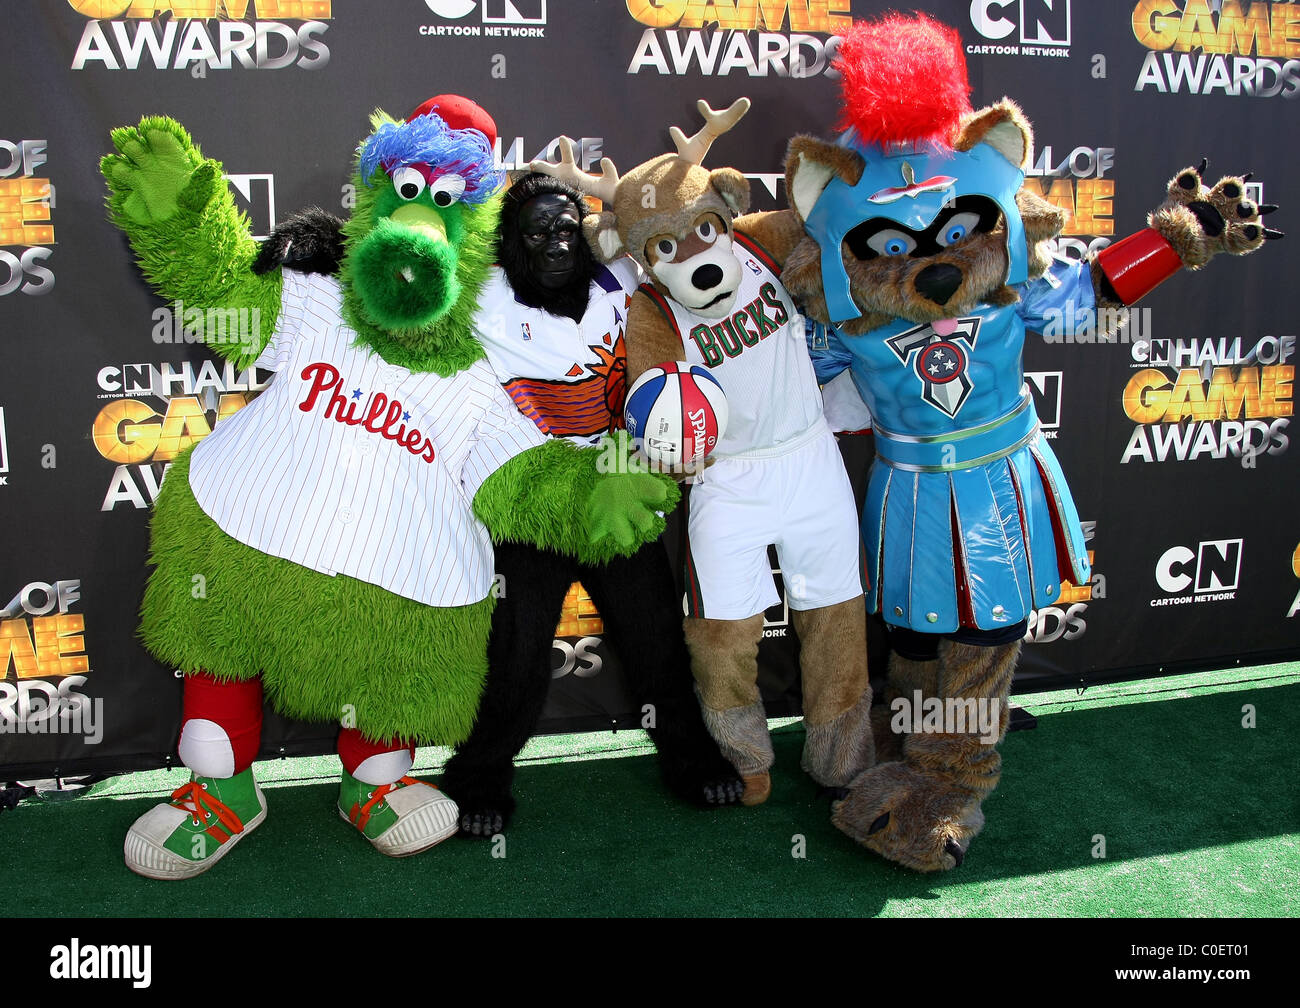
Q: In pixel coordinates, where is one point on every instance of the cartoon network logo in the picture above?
(1021, 27)
(497, 18)
(1212, 571)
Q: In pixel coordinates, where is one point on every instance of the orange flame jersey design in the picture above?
(1270, 30)
(53, 646)
(25, 212)
(225, 10)
(824, 17)
(130, 432)
(1150, 397)
(592, 405)
(578, 616)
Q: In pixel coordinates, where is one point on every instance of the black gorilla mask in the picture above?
(542, 248)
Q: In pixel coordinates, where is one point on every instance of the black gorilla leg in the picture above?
(637, 599)
(479, 774)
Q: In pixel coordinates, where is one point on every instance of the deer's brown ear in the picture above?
(733, 187)
(601, 230)
(1004, 128)
(810, 164)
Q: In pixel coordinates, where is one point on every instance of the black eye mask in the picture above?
(878, 236)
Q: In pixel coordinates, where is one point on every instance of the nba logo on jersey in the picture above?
(525, 331)
(753, 267)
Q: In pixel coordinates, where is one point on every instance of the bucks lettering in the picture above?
(745, 328)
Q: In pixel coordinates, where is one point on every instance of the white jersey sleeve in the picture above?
(295, 306)
(503, 432)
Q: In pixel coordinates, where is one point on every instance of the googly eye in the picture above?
(957, 227)
(707, 231)
(408, 182)
(446, 190)
(666, 248)
(891, 243)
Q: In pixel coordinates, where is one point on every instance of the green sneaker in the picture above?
(399, 819)
(204, 819)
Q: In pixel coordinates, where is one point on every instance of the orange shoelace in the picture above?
(203, 806)
(360, 814)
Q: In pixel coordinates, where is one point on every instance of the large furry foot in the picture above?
(486, 804)
(482, 822)
(919, 820)
(707, 783)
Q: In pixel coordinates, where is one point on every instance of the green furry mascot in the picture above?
(342, 522)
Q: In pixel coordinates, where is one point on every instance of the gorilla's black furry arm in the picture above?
(310, 241)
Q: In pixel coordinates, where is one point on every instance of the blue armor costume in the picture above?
(968, 520)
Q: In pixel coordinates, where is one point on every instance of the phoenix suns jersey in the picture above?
(567, 377)
(759, 354)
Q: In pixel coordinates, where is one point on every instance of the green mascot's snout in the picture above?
(404, 270)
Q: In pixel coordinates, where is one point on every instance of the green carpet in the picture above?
(1200, 817)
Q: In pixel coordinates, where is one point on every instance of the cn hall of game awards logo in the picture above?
(1227, 398)
(1240, 48)
(154, 411)
(202, 35)
(1077, 179)
(44, 664)
(779, 38)
(26, 227)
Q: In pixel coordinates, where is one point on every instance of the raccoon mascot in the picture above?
(930, 261)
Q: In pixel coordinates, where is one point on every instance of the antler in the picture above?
(602, 186)
(715, 124)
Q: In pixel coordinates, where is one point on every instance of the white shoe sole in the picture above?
(145, 856)
(420, 829)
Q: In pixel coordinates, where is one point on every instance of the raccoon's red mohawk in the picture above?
(904, 81)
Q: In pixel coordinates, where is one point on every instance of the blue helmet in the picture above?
(910, 184)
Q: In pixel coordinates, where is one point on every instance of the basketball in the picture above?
(678, 412)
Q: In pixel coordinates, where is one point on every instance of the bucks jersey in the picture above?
(759, 355)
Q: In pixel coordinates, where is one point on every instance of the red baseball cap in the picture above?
(458, 113)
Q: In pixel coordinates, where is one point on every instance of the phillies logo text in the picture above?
(380, 415)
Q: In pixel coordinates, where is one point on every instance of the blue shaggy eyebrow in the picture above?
(428, 140)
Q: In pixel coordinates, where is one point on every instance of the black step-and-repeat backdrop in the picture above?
(1177, 436)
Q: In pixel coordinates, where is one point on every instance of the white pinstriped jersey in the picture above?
(759, 354)
(567, 377)
(347, 464)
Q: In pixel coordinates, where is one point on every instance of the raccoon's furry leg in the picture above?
(924, 811)
(907, 677)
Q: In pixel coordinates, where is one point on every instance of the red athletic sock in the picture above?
(355, 750)
(235, 707)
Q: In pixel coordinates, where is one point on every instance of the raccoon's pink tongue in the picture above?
(945, 326)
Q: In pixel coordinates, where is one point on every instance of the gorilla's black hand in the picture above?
(310, 241)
